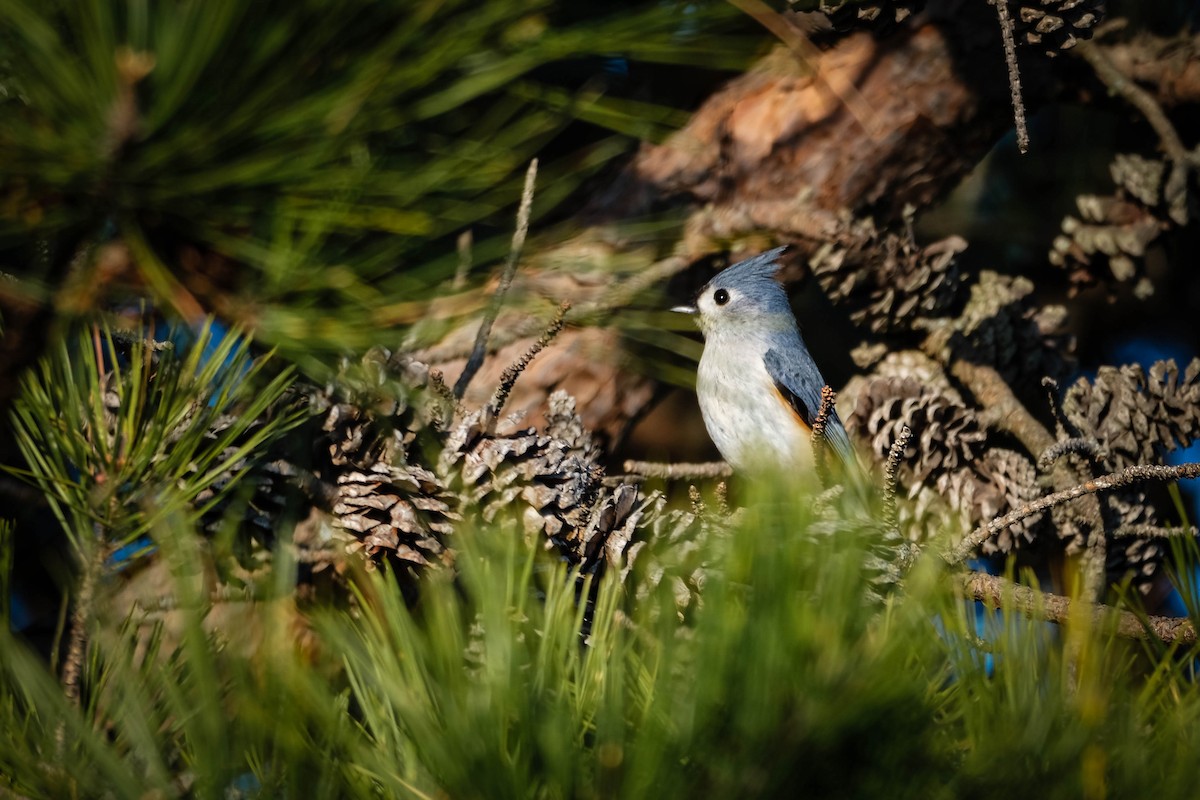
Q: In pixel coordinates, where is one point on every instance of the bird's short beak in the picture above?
(684, 309)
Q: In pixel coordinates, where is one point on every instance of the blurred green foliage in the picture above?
(785, 681)
(303, 167)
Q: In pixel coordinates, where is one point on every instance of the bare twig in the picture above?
(1000, 406)
(80, 617)
(1119, 84)
(220, 595)
(1003, 410)
(1067, 429)
(475, 361)
(680, 471)
(1155, 531)
(891, 470)
(1014, 73)
(465, 240)
(1056, 608)
(1116, 480)
(135, 338)
(1095, 562)
(1086, 446)
(820, 445)
(509, 377)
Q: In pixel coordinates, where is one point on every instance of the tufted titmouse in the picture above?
(759, 389)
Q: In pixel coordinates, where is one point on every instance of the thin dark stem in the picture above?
(475, 361)
(1086, 446)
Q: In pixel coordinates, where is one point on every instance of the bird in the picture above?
(758, 386)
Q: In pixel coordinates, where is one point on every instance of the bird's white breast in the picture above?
(746, 417)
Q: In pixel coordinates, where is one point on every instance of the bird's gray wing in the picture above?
(800, 385)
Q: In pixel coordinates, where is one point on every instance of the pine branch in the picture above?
(1001, 407)
(679, 471)
(1155, 531)
(81, 617)
(1003, 593)
(1116, 480)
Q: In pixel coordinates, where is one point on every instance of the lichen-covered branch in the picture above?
(679, 471)
(1014, 73)
(1126, 477)
(1005, 594)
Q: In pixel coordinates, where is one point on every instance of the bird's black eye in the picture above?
(720, 297)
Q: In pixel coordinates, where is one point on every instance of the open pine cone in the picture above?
(887, 281)
(1054, 25)
(880, 16)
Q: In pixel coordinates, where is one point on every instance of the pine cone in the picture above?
(398, 511)
(1135, 417)
(388, 505)
(676, 538)
(1054, 25)
(951, 480)
(551, 481)
(1001, 327)
(901, 365)
(1149, 199)
(887, 281)
(997, 484)
(1130, 556)
(945, 434)
(881, 16)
